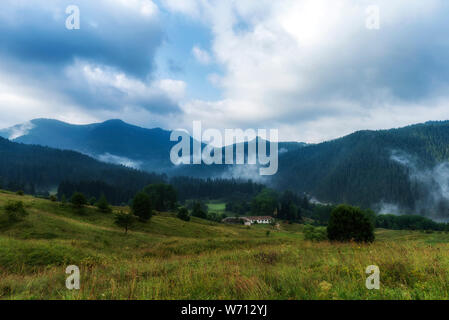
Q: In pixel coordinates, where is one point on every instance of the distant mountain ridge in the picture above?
(111, 141)
(115, 141)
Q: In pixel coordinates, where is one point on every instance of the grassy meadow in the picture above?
(167, 258)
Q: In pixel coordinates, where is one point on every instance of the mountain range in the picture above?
(112, 141)
(402, 170)
(117, 142)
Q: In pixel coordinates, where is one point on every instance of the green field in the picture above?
(217, 207)
(167, 258)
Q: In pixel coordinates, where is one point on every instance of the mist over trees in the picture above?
(405, 168)
(360, 169)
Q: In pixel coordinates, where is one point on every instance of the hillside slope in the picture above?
(167, 258)
(33, 168)
(404, 167)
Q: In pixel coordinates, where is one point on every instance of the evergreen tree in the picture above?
(78, 200)
(92, 201)
(63, 199)
(142, 207)
(265, 203)
(288, 210)
(103, 205)
(163, 196)
(198, 211)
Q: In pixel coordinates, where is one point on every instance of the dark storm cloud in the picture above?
(122, 36)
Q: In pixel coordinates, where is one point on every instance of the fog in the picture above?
(431, 186)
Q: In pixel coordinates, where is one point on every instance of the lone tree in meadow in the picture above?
(183, 214)
(350, 224)
(103, 205)
(125, 220)
(141, 206)
(78, 200)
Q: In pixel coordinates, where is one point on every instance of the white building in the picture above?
(260, 220)
(247, 221)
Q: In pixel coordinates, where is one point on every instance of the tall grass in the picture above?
(171, 259)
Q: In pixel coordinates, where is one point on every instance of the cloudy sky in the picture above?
(310, 68)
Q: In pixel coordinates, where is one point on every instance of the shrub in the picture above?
(53, 198)
(267, 257)
(15, 211)
(20, 193)
(216, 217)
(312, 233)
(78, 200)
(183, 214)
(141, 206)
(350, 224)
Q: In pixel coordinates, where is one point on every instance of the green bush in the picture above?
(15, 211)
(312, 233)
(78, 200)
(183, 214)
(349, 224)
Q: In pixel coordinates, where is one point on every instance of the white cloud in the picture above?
(189, 7)
(307, 67)
(146, 8)
(110, 158)
(134, 89)
(20, 130)
(201, 56)
(312, 69)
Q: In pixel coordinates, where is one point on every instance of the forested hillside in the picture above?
(403, 168)
(35, 168)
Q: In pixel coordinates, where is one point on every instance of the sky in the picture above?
(313, 69)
